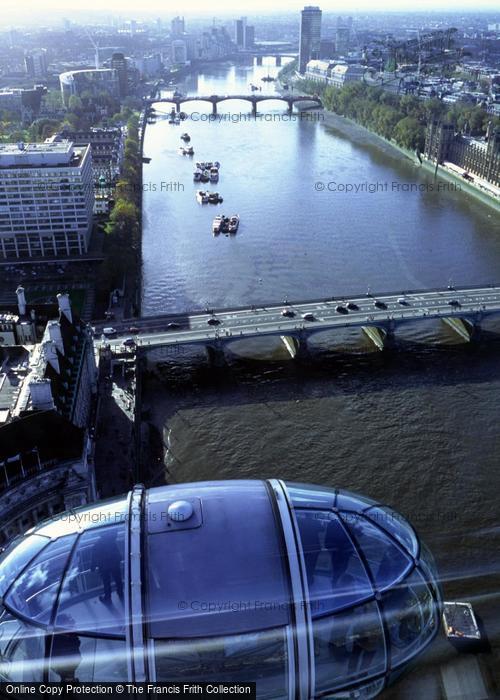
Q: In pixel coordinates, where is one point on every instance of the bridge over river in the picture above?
(379, 316)
(214, 100)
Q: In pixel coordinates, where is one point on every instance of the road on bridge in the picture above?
(269, 320)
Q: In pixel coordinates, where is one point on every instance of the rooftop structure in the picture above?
(46, 392)
(308, 591)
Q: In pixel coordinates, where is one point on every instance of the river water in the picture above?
(416, 427)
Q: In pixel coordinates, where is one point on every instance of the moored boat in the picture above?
(233, 224)
(214, 198)
(202, 196)
(217, 223)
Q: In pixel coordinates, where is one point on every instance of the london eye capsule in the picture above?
(309, 592)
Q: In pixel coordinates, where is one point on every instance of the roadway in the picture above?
(268, 320)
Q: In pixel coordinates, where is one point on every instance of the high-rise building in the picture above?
(35, 63)
(250, 37)
(178, 26)
(179, 52)
(343, 35)
(119, 64)
(310, 36)
(244, 34)
(46, 199)
(240, 26)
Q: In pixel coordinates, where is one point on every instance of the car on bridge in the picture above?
(133, 329)
(380, 304)
(129, 342)
(308, 316)
(352, 306)
(341, 309)
(455, 303)
(213, 321)
(403, 301)
(287, 312)
(173, 325)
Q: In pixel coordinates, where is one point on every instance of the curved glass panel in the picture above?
(428, 569)
(86, 659)
(34, 593)
(335, 574)
(22, 650)
(386, 561)
(307, 496)
(227, 576)
(348, 647)
(110, 512)
(396, 525)
(353, 501)
(411, 617)
(15, 558)
(91, 597)
(261, 657)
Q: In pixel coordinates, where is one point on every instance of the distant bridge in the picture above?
(463, 310)
(214, 100)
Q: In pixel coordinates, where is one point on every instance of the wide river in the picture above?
(417, 427)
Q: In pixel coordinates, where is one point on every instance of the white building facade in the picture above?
(46, 200)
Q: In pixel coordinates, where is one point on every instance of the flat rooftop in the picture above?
(33, 155)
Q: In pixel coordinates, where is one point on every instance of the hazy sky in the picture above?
(16, 10)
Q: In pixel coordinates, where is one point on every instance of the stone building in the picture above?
(477, 157)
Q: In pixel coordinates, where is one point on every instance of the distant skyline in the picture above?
(28, 11)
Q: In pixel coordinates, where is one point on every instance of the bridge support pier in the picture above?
(376, 335)
(296, 346)
(463, 328)
(214, 107)
(254, 108)
(215, 355)
(290, 107)
(177, 107)
(259, 60)
(278, 60)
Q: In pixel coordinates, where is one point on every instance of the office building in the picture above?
(46, 199)
(249, 36)
(177, 26)
(310, 36)
(179, 52)
(342, 36)
(119, 64)
(244, 34)
(36, 63)
(93, 81)
(333, 73)
(24, 103)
